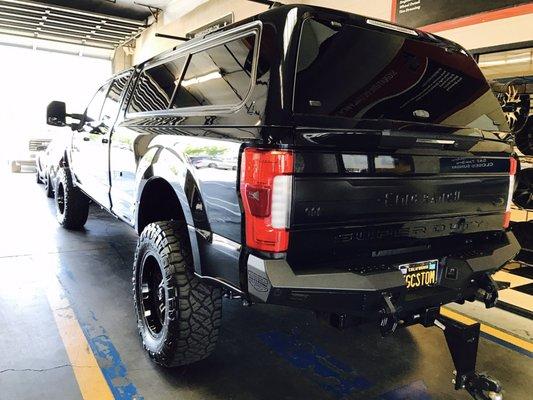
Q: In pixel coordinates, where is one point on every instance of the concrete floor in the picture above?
(264, 352)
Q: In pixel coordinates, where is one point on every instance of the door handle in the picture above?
(105, 140)
(86, 139)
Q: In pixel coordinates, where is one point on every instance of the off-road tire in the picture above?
(193, 308)
(72, 205)
(48, 187)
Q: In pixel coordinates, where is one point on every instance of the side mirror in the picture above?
(56, 113)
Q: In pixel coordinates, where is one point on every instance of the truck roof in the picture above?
(278, 16)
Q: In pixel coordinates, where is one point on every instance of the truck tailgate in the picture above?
(355, 209)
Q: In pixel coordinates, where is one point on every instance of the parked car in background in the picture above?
(202, 162)
(28, 157)
(214, 162)
(224, 163)
(49, 161)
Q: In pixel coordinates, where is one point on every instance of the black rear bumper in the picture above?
(362, 295)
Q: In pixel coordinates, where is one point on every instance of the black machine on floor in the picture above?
(361, 173)
(463, 342)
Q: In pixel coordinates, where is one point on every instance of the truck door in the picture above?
(82, 157)
(92, 141)
(101, 140)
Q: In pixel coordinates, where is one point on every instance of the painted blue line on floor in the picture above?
(106, 354)
(414, 391)
(113, 369)
(332, 375)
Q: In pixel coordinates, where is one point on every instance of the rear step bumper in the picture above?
(274, 282)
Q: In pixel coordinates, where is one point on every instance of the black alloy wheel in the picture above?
(153, 309)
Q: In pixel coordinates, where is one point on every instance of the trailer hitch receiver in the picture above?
(488, 291)
(388, 322)
(463, 342)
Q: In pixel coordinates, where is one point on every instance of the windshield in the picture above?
(346, 71)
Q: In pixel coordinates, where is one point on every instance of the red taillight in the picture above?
(506, 219)
(266, 195)
(513, 165)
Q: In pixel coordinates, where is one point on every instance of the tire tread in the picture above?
(76, 203)
(195, 315)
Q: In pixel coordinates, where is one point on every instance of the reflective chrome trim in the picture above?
(435, 141)
(221, 240)
(220, 281)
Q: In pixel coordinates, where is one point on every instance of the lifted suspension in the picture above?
(463, 342)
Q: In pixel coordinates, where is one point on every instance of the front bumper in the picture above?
(362, 295)
(25, 163)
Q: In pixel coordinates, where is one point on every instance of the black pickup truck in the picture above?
(366, 178)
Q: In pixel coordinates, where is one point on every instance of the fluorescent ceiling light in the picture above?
(505, 62)
(201, 79)
(393, 27)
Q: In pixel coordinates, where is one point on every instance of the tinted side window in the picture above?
(155, 86)
(220, 75)
(95, 106)
(112, 101)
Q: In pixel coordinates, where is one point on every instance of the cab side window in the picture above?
(155, 86)
(92, 113)
(114, 95)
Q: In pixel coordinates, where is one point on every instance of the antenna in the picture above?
(184, 39)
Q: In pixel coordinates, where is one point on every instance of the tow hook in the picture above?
(488, 291)
(389, 318)
(462, 343)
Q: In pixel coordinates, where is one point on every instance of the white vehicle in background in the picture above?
(214, 162)
(202, 161)
(226, 163)
(49, 161)
(27, 157)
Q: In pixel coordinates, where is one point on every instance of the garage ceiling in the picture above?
(93, 23)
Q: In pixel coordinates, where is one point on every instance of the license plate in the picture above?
(420, 274)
